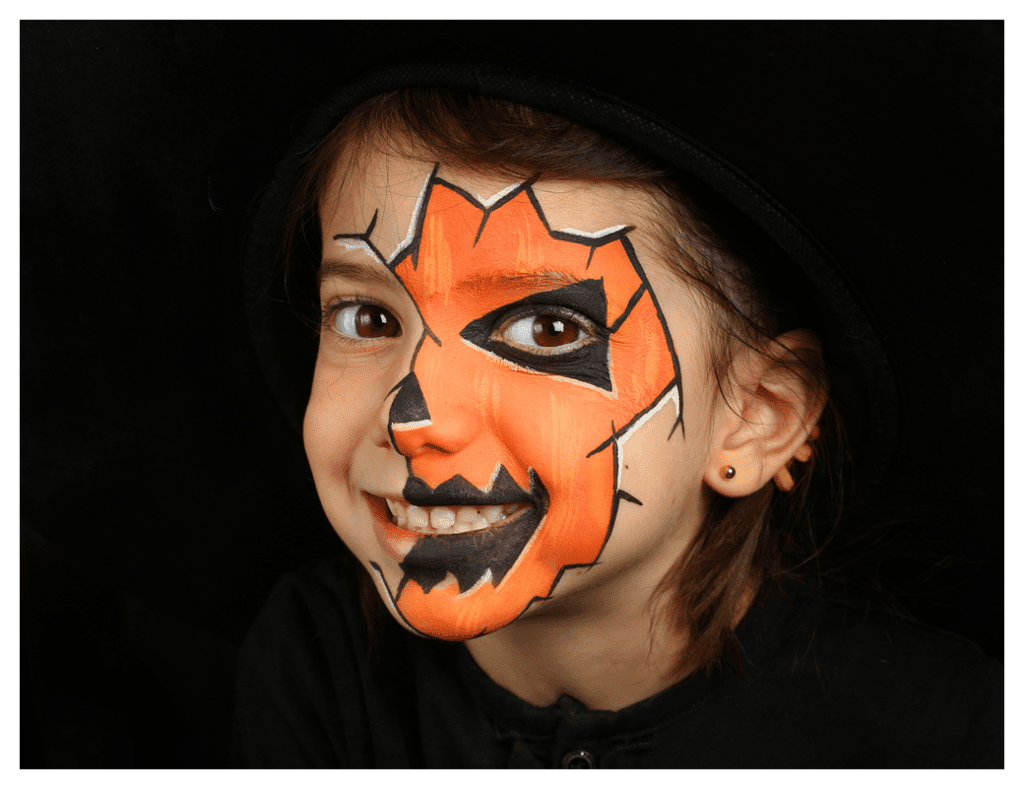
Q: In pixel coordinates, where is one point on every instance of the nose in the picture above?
(445, 425)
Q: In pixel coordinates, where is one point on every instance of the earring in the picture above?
(728, 472)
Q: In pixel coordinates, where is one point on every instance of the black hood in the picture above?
(824, 136)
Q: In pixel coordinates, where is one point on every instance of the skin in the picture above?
(588, 628)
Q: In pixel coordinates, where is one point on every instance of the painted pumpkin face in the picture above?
(530, 354)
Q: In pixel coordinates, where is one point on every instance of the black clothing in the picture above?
(829, 685)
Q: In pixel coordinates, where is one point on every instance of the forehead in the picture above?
(384, 190)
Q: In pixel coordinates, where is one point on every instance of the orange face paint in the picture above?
(542, 350)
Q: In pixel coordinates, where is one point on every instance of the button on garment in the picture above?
(577, 760)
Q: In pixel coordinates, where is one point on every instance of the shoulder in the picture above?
(308, 612)
(317, 592)
(310, 692)
(919, 696)
(868, 642)
(298, 671)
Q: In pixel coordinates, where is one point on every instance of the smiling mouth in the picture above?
(452, 520)
(469, 533)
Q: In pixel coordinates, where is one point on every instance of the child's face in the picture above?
(500, 393)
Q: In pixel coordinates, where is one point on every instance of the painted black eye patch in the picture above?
(588, 363)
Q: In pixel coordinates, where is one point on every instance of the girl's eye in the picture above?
(366, 322)
(543, 333)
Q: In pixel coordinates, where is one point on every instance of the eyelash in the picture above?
(587, 327)
(329, 317)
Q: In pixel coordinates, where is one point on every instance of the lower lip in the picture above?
(395, 542)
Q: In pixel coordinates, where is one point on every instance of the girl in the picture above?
(572, 415)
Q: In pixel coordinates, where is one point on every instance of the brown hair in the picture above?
(767, 535)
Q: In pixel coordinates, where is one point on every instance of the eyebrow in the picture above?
(358, 272)
(541, 280)
(376, 275)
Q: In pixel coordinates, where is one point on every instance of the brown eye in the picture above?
(545, 333)
(551, 331)
(366, 322)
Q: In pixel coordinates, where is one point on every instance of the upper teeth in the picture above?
(450, 520)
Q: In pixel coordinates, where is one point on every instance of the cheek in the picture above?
(560, 428)
(338, 421)
(340, 408)
(552, 426)
(324, 433)
(540, 421)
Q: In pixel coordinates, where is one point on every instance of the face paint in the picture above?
(541, 351)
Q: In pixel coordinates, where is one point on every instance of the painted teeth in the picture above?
(450, 520)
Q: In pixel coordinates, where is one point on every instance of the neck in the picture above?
(606, 657)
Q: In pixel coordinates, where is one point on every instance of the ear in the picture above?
(769, 410)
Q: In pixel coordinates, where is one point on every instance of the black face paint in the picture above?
(469, 556)
(588, 363)
(409, 405)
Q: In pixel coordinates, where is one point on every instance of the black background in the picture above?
(162, 491)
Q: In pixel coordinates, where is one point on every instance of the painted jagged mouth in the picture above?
(471, 555)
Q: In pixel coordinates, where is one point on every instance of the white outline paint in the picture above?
(613, 394)
(522, 553)
(402, 426)
(494, 477)
(485, 578)
(358, 244)
(597, 234)
(385, 592)
(445, 582)
(420, 202)
(671, 394)
(488, 202)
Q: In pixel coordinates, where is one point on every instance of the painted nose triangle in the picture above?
(409, 406)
